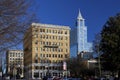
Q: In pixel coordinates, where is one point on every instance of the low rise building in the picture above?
(14, 62)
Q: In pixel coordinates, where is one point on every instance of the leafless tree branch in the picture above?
(15, 18)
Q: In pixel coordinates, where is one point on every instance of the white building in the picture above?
(14, 60)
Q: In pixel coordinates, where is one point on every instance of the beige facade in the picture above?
(15, 62)
(46, 47)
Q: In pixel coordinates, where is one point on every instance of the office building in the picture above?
(46, 47)
(79, 41)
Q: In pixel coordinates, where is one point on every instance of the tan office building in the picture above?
(15, 62)
(46, 47)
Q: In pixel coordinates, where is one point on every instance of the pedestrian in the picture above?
(111, 78)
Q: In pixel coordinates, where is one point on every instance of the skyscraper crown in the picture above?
(79, 15)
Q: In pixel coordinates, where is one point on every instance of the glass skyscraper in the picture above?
(79, 41)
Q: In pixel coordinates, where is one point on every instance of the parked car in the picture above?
(72, 79)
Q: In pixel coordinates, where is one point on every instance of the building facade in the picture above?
(46, 47)
(79, 41)
(15, 62)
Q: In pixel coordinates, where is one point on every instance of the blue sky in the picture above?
(64, 12)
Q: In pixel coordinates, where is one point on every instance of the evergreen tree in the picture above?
(110, 44)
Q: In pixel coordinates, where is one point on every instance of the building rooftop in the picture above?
(51, 25)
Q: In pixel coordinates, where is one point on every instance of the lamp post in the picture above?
(1, 67)
(99, 65)
(47, 70)
(14, 73)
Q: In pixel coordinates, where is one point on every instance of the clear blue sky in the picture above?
(64, 12)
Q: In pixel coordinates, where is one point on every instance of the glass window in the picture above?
(66, 56)
(49, 55)
(41, 55)
(36, 42)
(65, 32)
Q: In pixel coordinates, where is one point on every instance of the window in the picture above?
(61, 32)
(36, 58)
(47, 37)
(53, 31)
(65, 32)
(49, 43)
(21, 54)
(36, 42)
(58, 55)
(49, 31)
(41, 49)
(53, 37)
(66, 56)
(41, 55)
(50, 37)
(53, 55)
(36, 49)
(36, 35)
(61, 56)
(66, 44)
(66, 50)
(56, 37)
(49, 55)
(10, 54)
(81, 23)
(36, 30)
(43, 36)
(40, 36)
(13, 54)
(41, 42)
(46, 55)
(36, 74)
(66, 38)
(59, 38)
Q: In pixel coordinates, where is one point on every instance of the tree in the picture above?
(19, 72)
(78, 68)
(15, 18)
(110, 44)
(96, 49)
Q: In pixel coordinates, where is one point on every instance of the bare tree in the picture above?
(96, 48)
(15, 17)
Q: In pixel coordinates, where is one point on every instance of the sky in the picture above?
(65, 12)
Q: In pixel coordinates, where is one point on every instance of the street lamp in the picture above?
(99, 65)
(14, 72)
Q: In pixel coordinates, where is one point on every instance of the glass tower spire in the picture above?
(78, 37)
(82, 43)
